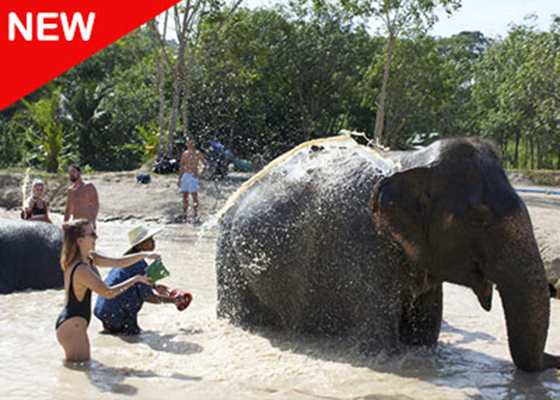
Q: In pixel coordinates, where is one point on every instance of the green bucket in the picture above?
(156, 270)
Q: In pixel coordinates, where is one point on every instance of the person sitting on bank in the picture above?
(36, 208)
(119, 315)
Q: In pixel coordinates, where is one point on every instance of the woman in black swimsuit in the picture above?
(80, 279)
(37, 208)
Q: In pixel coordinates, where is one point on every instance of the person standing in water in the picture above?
(36, 208)
(82, 200)
(193, 163)
(80, 279)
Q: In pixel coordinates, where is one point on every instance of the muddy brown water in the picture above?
(193, 354)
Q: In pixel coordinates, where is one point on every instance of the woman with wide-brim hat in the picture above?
(120, 315)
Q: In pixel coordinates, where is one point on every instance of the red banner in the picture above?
(39, 40)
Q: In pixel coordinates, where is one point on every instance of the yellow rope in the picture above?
(347, 136)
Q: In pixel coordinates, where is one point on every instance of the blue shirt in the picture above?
(126, 306)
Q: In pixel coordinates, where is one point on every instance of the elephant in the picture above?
(339, 238)
(29, 256)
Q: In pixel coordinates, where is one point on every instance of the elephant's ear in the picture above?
(400, 207)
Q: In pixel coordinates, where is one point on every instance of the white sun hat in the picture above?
(138, 235)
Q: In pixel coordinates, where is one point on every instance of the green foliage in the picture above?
(268, 79)
(46, 134)
(400, 16)
(420, 90)
(264, 80)
(12, 141)
(516, 96)
(150, 141)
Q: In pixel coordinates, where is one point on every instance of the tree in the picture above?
(420, 91)
(398, 17)
(461, 55)
(516, 96)
(271, 79)
(187, 17)
(46, 134)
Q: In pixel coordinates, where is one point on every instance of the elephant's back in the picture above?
(29, 255)
(339, 172)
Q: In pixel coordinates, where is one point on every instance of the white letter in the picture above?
(26, 32)
(41, 26)
(77, 19)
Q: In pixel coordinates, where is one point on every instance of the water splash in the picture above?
(24, 185)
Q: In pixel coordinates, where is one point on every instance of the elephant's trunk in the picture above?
(522, 284)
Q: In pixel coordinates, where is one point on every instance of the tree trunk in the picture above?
(515, 161)
(540, 157)
(177, 85)
(378, 131)
(161, 113)
(532, 142)
(505, 152)
(160, 86)
(174, 115)
(186, 87)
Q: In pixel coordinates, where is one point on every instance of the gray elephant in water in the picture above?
(29, 256)
(341, 239)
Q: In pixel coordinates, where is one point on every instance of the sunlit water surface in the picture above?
(193, 354)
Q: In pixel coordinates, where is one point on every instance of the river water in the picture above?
(193, 354)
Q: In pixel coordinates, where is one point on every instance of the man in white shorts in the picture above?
(192, 164)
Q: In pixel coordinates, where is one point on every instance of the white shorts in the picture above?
(189, 183)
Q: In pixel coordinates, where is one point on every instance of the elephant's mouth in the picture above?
(483, 288)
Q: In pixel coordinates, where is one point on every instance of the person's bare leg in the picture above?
(72, 336)
(185, 204)
(195, 204)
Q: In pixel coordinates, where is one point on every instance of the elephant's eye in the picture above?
(480, 216)
(478, 219)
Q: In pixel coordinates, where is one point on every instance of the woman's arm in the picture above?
(121, 262)
(29, 205)
(26, 211)
(69, 206)
(158, 298)
(88, 278)
(47, 218)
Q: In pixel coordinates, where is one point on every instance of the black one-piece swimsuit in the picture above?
(73, 307)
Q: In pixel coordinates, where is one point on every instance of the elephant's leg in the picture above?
(421, 319)
(380, 330)
(236, 300)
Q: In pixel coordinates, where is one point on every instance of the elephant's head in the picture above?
(456, 215)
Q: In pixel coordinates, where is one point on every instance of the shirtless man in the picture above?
(82, 200)
(189, 171)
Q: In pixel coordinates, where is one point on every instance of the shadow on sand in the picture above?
(110, 379)
(165, 343)
(448, 365)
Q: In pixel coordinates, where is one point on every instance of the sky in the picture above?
(491, 17)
